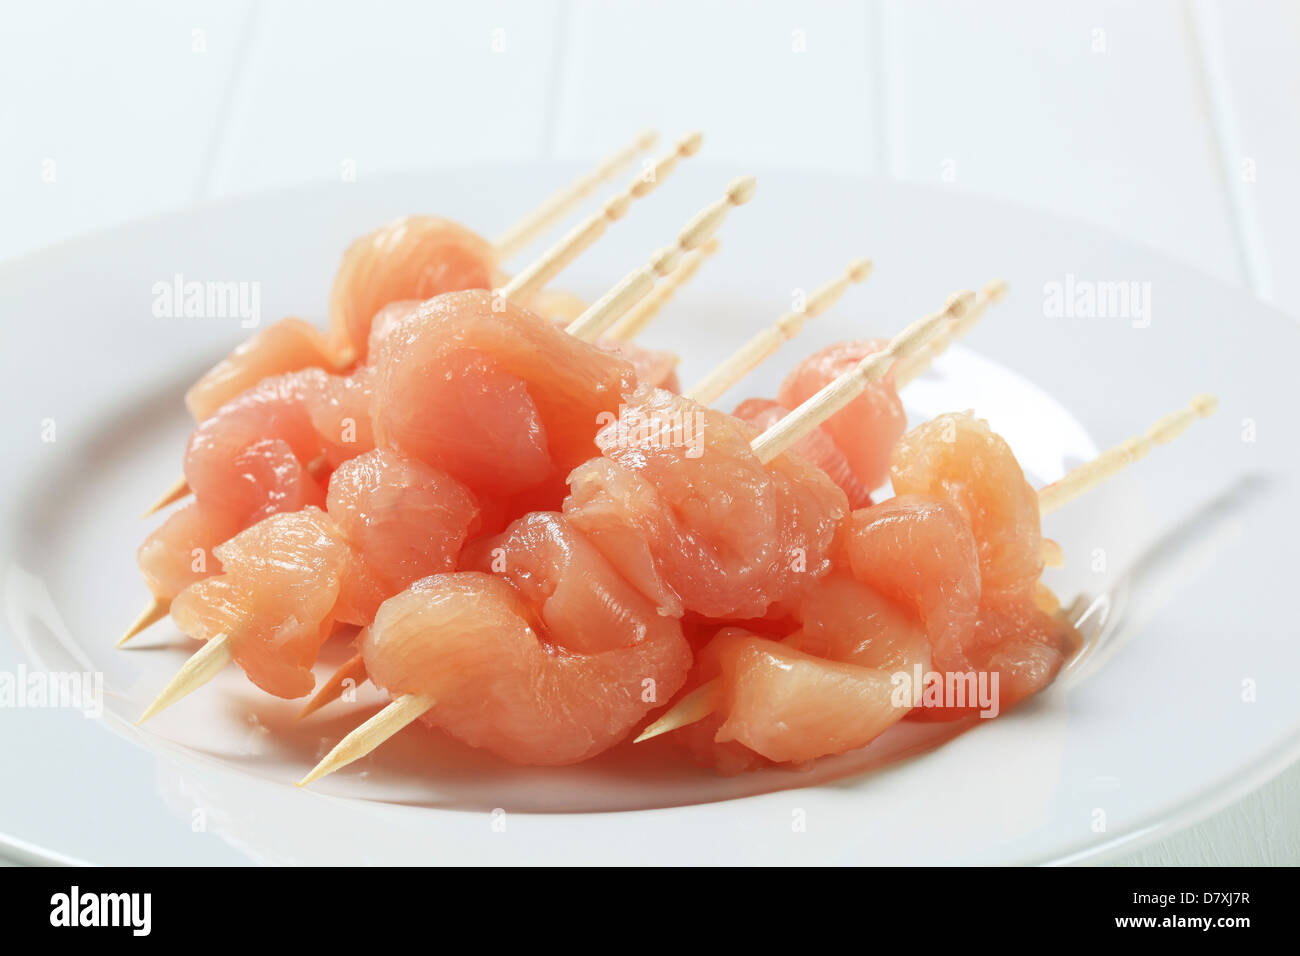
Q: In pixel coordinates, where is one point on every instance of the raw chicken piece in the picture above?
(684, 509)
(180, 550)
(279, 582)
(268, 449)
(919, 552)
(845, 620)
(283, 582)
(416, 257)
(958, 458)
(404, 519)
(1023, 643)
(249, 460)
(469, 640)
(340, 411)
(284, 346)
(866, 429)
(493, 394)
(385, 320)
(790, 706)
(842, 660)
(584, 604)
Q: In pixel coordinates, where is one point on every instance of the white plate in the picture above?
(1190, 555)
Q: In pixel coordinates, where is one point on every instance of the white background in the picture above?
(1175, 123)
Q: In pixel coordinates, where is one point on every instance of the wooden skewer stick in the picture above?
(1089, 475)
(151, 615)
(635, 322)
(560, 202)
(907, 370)
(637, 284)
(353, 669)
(692, 707)
(202, 666)
(179, 489)
(848, 386)
(765, 344)
(549, 265)
(402, 711)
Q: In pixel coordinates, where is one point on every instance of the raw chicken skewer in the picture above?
(766, 342)
(217, 652)
(533, 278)
(702, 701)
(635, 322)
(729, 373)
(767, 446)
(529, 281)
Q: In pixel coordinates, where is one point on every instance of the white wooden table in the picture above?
(1171, 122)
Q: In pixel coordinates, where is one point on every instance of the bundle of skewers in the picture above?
(539, 544)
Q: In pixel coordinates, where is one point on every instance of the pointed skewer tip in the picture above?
(690, 709)
(150, 616)
(959, 303)
(369, 735)
(995, 291)
(203, 665)
(741, 190)
(690, 144)
(859, 270)
(179, 489)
